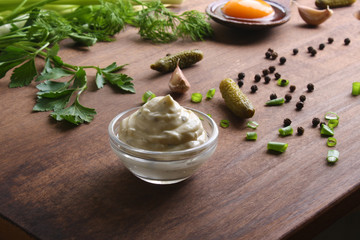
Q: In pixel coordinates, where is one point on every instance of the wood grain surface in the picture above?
(64, 182)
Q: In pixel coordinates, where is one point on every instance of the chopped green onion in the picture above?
(252, 124)
(210, 94)
(286, 131)
(332, 156)
(224, 123)
(251, 136)
(147, 96)
(331, 142)
(355, 89)
(331, 115)
(277, 146)
(275, 102)
(196, 97)
(201, 118)
(333, 123)
(326, 130)
(282, 82)
(209, 115)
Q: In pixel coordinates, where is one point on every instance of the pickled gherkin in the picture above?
(235, 99)
(333, 3)
(185, 59)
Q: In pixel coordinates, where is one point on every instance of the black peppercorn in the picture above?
(270, 50)
(299, 105)
(292, 88)
(267, 79)
(315, 122)
(240, 83)
(272, 69)
(347, 41)
(265, 72)
(268, 55)
(310, 87)
(273, 96)
(287, 122)
(282, 60)
(241, 76)
(330, 40)
(283, 82)
(277, 76)
(313, 52)
(288, 97)
(321, 46)
(274, 55)
(257, 78)
(302, 98)
(310, 49)
(254, 88)
(295, 51)
(300, 131)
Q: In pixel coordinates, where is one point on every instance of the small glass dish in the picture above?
(163, 167)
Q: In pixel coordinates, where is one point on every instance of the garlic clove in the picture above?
(357, 14)
(313, 16)
(178, 82)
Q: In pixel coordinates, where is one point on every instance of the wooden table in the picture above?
(64, 182)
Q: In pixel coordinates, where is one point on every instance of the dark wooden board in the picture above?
(64, 182)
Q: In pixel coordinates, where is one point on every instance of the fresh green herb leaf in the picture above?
(75, 114)
(85, 40)
(80, 80)
(44, 104)
(159, 24)
(99, 79)
(113, 68)
(23, 75)
(121, 80)
(53, 73)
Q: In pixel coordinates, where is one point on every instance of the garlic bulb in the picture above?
(313, 16)
(178, 82)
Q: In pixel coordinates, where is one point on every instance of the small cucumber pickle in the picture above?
(185, 59)
(235, 99)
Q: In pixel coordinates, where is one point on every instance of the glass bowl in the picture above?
(163, 167)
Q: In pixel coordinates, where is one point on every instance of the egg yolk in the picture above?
(247, 8)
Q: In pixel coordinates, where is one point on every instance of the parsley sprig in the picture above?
(34, 33)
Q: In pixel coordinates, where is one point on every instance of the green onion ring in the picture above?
(331, 142)
(331, 115)
(252, 124)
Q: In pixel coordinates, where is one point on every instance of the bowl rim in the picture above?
(211, 140)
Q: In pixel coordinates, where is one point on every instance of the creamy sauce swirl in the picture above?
(162, 125)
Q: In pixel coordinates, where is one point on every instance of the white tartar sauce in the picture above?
(162, 124)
